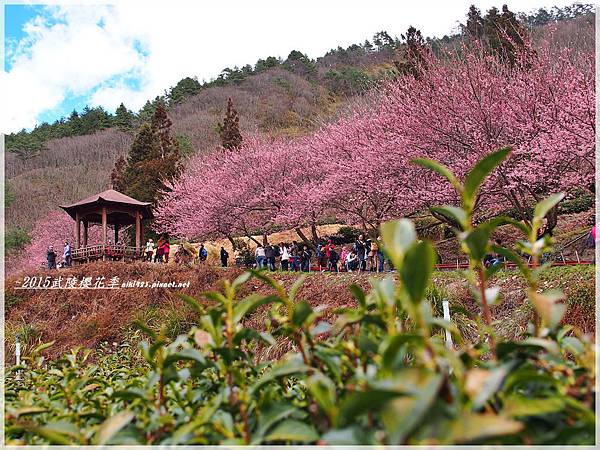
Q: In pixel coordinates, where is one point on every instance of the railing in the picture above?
(111, 251)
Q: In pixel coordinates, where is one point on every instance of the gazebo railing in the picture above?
(112, 251)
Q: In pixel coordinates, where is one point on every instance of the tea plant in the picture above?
(381, 374)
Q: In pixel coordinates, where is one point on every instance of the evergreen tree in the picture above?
(229, 130)
(474, 27)
(413, 62)
(161, 125)
(183, 89)
(153, 160)
(123, 118)
(117, 176)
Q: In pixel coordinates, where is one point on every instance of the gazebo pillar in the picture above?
(116, 233)
(104, 224)
(138, 231)
(77, 229)
(85, 233)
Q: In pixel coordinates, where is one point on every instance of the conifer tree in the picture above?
(229, 130)
(153, 160)
(117, 176)
(123, 118)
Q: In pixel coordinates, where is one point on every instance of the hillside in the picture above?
(282, 97)
(89, 317)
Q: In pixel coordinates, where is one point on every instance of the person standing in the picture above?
(343, 256)
(305, 259)
(285, 256)
(294, 257)
(237, 257)
(166, 250)
(202, 253)
(67, 254)
(149, 250)
(51, 258)
(259, 255)
(380, 256)
(224, 256)
(270, 256)
(360, 247)
(158, 256)
(333, 259)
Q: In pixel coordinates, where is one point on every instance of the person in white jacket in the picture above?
(259, 253)
(285, 256)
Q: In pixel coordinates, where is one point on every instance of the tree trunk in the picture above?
(446, 220)
(305, 240)
(233, 245)
(252, 239)
(551, 220)
(314, 233)
(265, 239)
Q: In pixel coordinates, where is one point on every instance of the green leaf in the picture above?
(542, 208)
(273, 414)
(281, 369)
(477, 241)
(511, 256)
(454, 213)
(29, 410)
(345, 436)
(296, 286)
(59, 433)
(42, 347)
(474, 427)
(490, 384)
(301, 312)
(519, 406)
(192, 302)
(143, 327)
(187, 354)
(440, 169)
(548, 306)
(572, 345)
(249, 334)
(397, 236)
(239, 281)
(359, 295)
(250, 303)
(393, 344)
(402, 415)
(323, 391)
(112, 426)
(130, 394)
(215, 296)
(416, 270)
(480, 172)
(293, 431)
(357, 403)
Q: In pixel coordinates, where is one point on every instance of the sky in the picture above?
(61, 56)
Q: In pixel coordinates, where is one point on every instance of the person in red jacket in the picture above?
(166, 250)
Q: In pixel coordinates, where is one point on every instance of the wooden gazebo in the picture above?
(108, 208)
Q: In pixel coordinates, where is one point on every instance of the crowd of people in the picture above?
(361, 256)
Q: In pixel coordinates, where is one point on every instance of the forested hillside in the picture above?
(72, 158)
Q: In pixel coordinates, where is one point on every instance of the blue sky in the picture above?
(66, 56)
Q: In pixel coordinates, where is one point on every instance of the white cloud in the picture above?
(92, 49)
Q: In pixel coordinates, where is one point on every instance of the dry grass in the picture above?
(87, 317)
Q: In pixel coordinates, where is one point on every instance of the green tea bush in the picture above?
(380, 374)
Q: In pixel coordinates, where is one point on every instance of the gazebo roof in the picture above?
(109, 197)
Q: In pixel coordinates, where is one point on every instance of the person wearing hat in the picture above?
(149, 250)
